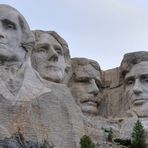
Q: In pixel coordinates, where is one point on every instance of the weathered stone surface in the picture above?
(95, 128)
(39, 110)
(48, 99)
(57, 118)
(134, 73)
(18, 141)
(51, 116)
(50, 56)
(86, 84)
(111, 103)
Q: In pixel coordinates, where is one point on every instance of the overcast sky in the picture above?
(102, 30)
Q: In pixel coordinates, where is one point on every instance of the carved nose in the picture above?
(93, 88)
(1, 36)
(52, 55)
(137, 87)
(2, 33)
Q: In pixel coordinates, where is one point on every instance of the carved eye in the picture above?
(144, 79)
(84, 80)
(129, 81)
(41, 50)
(58, 49)
(8, 24)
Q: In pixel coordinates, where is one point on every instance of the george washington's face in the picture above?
(136, 84)
(48, 58)
(10, 36)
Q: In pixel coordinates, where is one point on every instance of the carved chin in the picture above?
(90, 109)
(54, 76)
(141, 108)
(7, 54)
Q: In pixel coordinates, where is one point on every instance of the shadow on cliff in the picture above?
(18, 141)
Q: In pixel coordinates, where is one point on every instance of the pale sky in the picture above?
(102, 30)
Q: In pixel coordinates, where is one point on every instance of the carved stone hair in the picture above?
(59, 39)
(27, 41)
(76, 63)
(130, 59)
(85, 61)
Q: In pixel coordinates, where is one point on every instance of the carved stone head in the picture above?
(134, 70)
(50, 56)
(86, 84)
(16, 38)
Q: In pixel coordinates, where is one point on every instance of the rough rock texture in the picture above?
(50, 56)
(52, 116)
(86, 84)
(112, 93)
(49, 100)
(60, 116)
(38, 109)
(95, 128)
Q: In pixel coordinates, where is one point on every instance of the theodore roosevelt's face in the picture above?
(86, 87)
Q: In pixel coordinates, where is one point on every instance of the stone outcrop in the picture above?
(112, 92)
(31, 104)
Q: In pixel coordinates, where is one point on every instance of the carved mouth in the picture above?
(89, 107)
(2, 44)
(51, 67)
(90, 103)
(139, 101)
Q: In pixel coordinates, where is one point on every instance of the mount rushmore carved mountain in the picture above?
(49, 99)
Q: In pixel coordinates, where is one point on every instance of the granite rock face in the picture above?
(48, 99)
(86, 84)
(39, 108)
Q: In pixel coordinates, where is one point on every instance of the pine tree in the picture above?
(110, 135)
(86, 142)
(138, 136)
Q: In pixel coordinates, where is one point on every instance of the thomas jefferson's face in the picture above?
(48, 58)
(10, 36)
(86, 87)
(136, 84)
